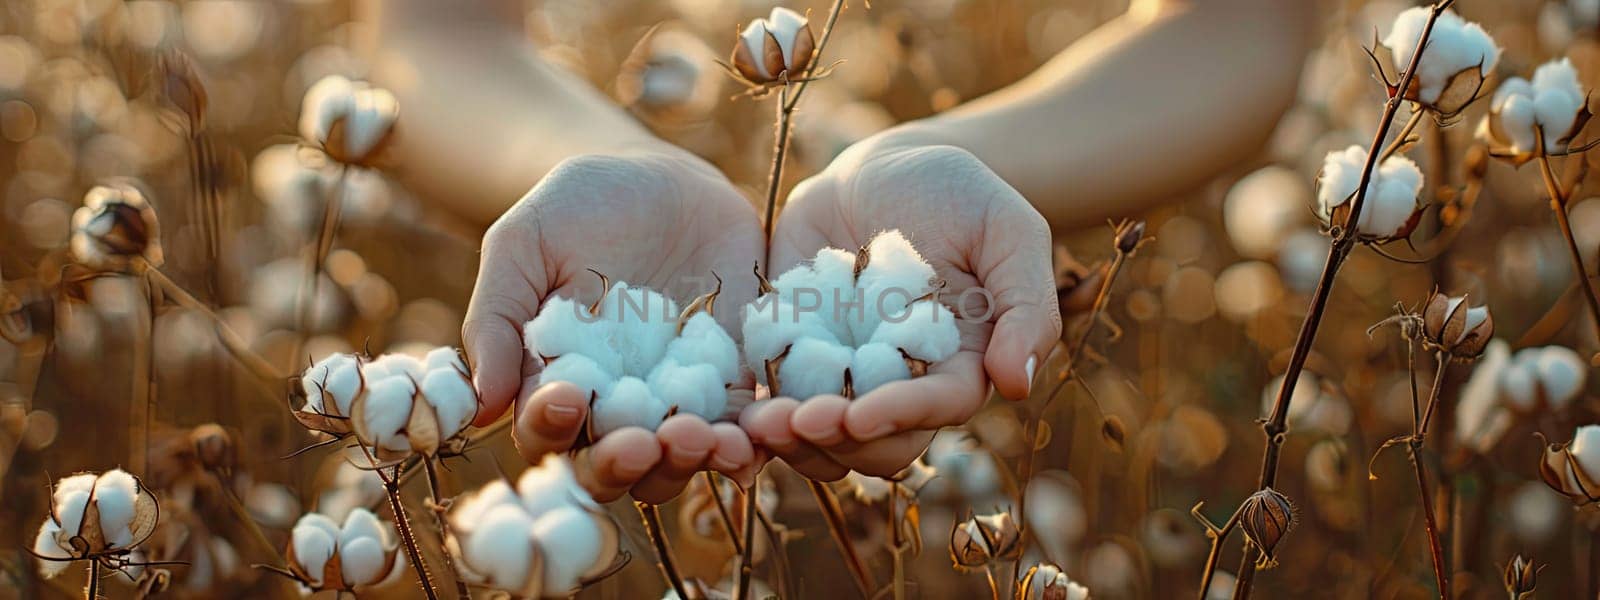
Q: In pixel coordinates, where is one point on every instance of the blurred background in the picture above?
(1167, 417)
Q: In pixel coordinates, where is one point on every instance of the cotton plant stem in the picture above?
(658, 538)
(91, 590)
(994, 590)
(1558, 203)
(1344, 240)
(747, 556)
(230, 339)
(1414, 452)
(722, 512)
(896, 545)
(435, 493)
(1405, 132)
(1217, 536)
(402, 525)
(836, 526)
(317, 254)
(788, 99)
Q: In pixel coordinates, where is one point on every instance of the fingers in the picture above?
(502, 300)
(1015, 267)
(768, 424)
(685, 442)
(885, 457)
(948, 395)
(549, 420)
(617, 462)
(734, 455)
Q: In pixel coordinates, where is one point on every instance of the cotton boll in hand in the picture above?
(814, 367)
(771, 326)
(876, 364)
(580, 371)
(644, 322)
(927, 332)
(564, 327)
(695, 389)
(895, 274)
(630, 404)
(703, 341)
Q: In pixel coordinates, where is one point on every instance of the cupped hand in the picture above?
(989, 245)
(663, 220)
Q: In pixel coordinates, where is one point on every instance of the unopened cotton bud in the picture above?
(213, 447)
(982, 539)
(116, 229)
(1453, 66)
(565, 327)
(695, 389)
(580, 371)
(814, 367)
(1265, 517)
(1573, 469)
(779, 45)
(1521, 577)
(876, 364)
(350, 120)
(630, 404)
(1390, 208)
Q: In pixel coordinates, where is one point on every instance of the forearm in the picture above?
(1138, 111)
(482, 116)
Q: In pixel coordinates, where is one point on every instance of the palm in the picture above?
(664, 221)
(987, 245)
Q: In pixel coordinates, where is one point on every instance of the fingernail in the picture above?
(1033, 363)
(562, 416)
(684, 455)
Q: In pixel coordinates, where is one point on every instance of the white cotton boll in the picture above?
(1551, 102)
(1454, 45)
(69, 509)
(387, 411)
(1561, 373)
(338, 374)
(115, 495)
(1586, 448)
(452, 399)
(395, 365)
(359, 524)
(1477, 405)
(571, 541)
(501, 550)
(314, 543)
(1518, 117)
(876, 364)
(643, 322)
(772, 325)
(372, 113)
(566, 327)
(785, 24)
(466, 514)
(580, 371)
(630, 404)
(704, 342)
(324, 103)
(928, 332)
(551, 485)
(754, 37)
(443, 357)
(1518, 386)
(696, 389)
(1391, 197)
(895, 275)
(814, 367)
(361, 548)
(44, 544)
(836, 284)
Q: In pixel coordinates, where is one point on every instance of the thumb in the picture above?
(1015, 268)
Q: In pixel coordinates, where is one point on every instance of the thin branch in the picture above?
(658, 537)
(829, 503)
(439, 504)
(1558, 203)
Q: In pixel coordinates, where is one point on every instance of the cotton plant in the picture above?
(100, 518)
(771, 50)
(325, 555)
(1542, 378)
(1392, 205)
(543, 537)
(351, 121)
(1573, 468)
(1451, 71)
(395, 404)
(1552, 106)
(116, 229)
(636, 356)
(848, 323)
